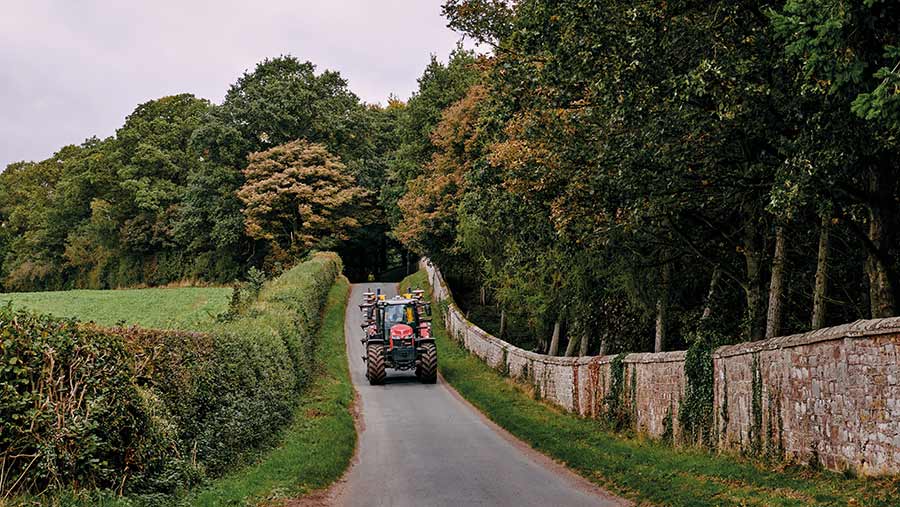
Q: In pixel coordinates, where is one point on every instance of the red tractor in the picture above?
(398, 336)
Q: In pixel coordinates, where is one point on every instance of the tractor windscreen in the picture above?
(397, 314)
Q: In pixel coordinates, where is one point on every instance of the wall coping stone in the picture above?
(858, 329)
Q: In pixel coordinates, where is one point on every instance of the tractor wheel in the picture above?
(426, 366)
(375, 364)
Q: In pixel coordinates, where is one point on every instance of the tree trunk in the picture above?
(881, 294)
(820, 293)
(554, 341)
(483, 296)
(572, 345)
(502, 323)
(881, 297)
(713, 285)
(662, 309)
(755, 312)
(776, 286)
(585, 343)
(604, 344)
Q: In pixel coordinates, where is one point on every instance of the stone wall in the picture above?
(654, 383)
(831, 395)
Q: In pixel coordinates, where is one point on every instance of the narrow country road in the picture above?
(422, 446)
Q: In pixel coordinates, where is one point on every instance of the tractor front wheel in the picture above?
(375, 364)
(426, 366)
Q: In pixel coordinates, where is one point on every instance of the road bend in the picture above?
(421, 445)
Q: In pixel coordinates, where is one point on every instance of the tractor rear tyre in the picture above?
(426, 367)
(375, 364)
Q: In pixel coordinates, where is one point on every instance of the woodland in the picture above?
(597, 176)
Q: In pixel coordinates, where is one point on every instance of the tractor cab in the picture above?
(399, 313)
(400, 323)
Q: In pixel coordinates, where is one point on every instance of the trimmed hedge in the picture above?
(146, 411)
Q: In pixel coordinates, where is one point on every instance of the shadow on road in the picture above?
(402, 379)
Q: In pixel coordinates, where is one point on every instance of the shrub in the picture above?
(72, 409)
(146, 411)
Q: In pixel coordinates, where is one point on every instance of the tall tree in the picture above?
(298, 196)
(32, 259)
(430, 204)
(849, 61)
(281, 100)
(156, 163)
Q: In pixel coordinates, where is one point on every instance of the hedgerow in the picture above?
(145, 411)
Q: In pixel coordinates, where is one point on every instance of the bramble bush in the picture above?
(145, 411)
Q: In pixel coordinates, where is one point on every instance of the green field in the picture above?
(178, 308)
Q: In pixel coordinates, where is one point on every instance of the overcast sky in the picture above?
(70, 69)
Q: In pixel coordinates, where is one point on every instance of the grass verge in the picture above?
(646, 471)
(317, 447)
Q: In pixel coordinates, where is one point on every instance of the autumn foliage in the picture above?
(298, 196)
(430, 203)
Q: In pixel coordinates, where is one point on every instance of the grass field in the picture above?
(178, 308)
(646, 471)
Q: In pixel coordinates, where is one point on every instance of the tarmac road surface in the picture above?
(422, 445)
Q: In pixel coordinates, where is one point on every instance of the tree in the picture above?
(440, 86)
(25, 195)
(283, 99)
(154, 144)
(298, 196)
(848, 53)
(429, 218)
(670, 158)
(209, 222)
(158, 202)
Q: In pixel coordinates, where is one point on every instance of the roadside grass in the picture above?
(317, 447)
(187, 308)
(646, 471)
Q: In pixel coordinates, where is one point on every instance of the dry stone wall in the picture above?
(831, 396)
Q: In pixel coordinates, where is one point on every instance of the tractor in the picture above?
(398, 336)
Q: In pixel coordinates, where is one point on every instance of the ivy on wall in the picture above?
(756, 409)
(695, 414)
(616, 405)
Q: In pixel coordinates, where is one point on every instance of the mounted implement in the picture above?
(398, 336)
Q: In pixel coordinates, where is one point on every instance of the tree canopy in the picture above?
(298, 196)
(159, 201)
(690, 168)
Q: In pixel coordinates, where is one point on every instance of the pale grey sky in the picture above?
(70, 69)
